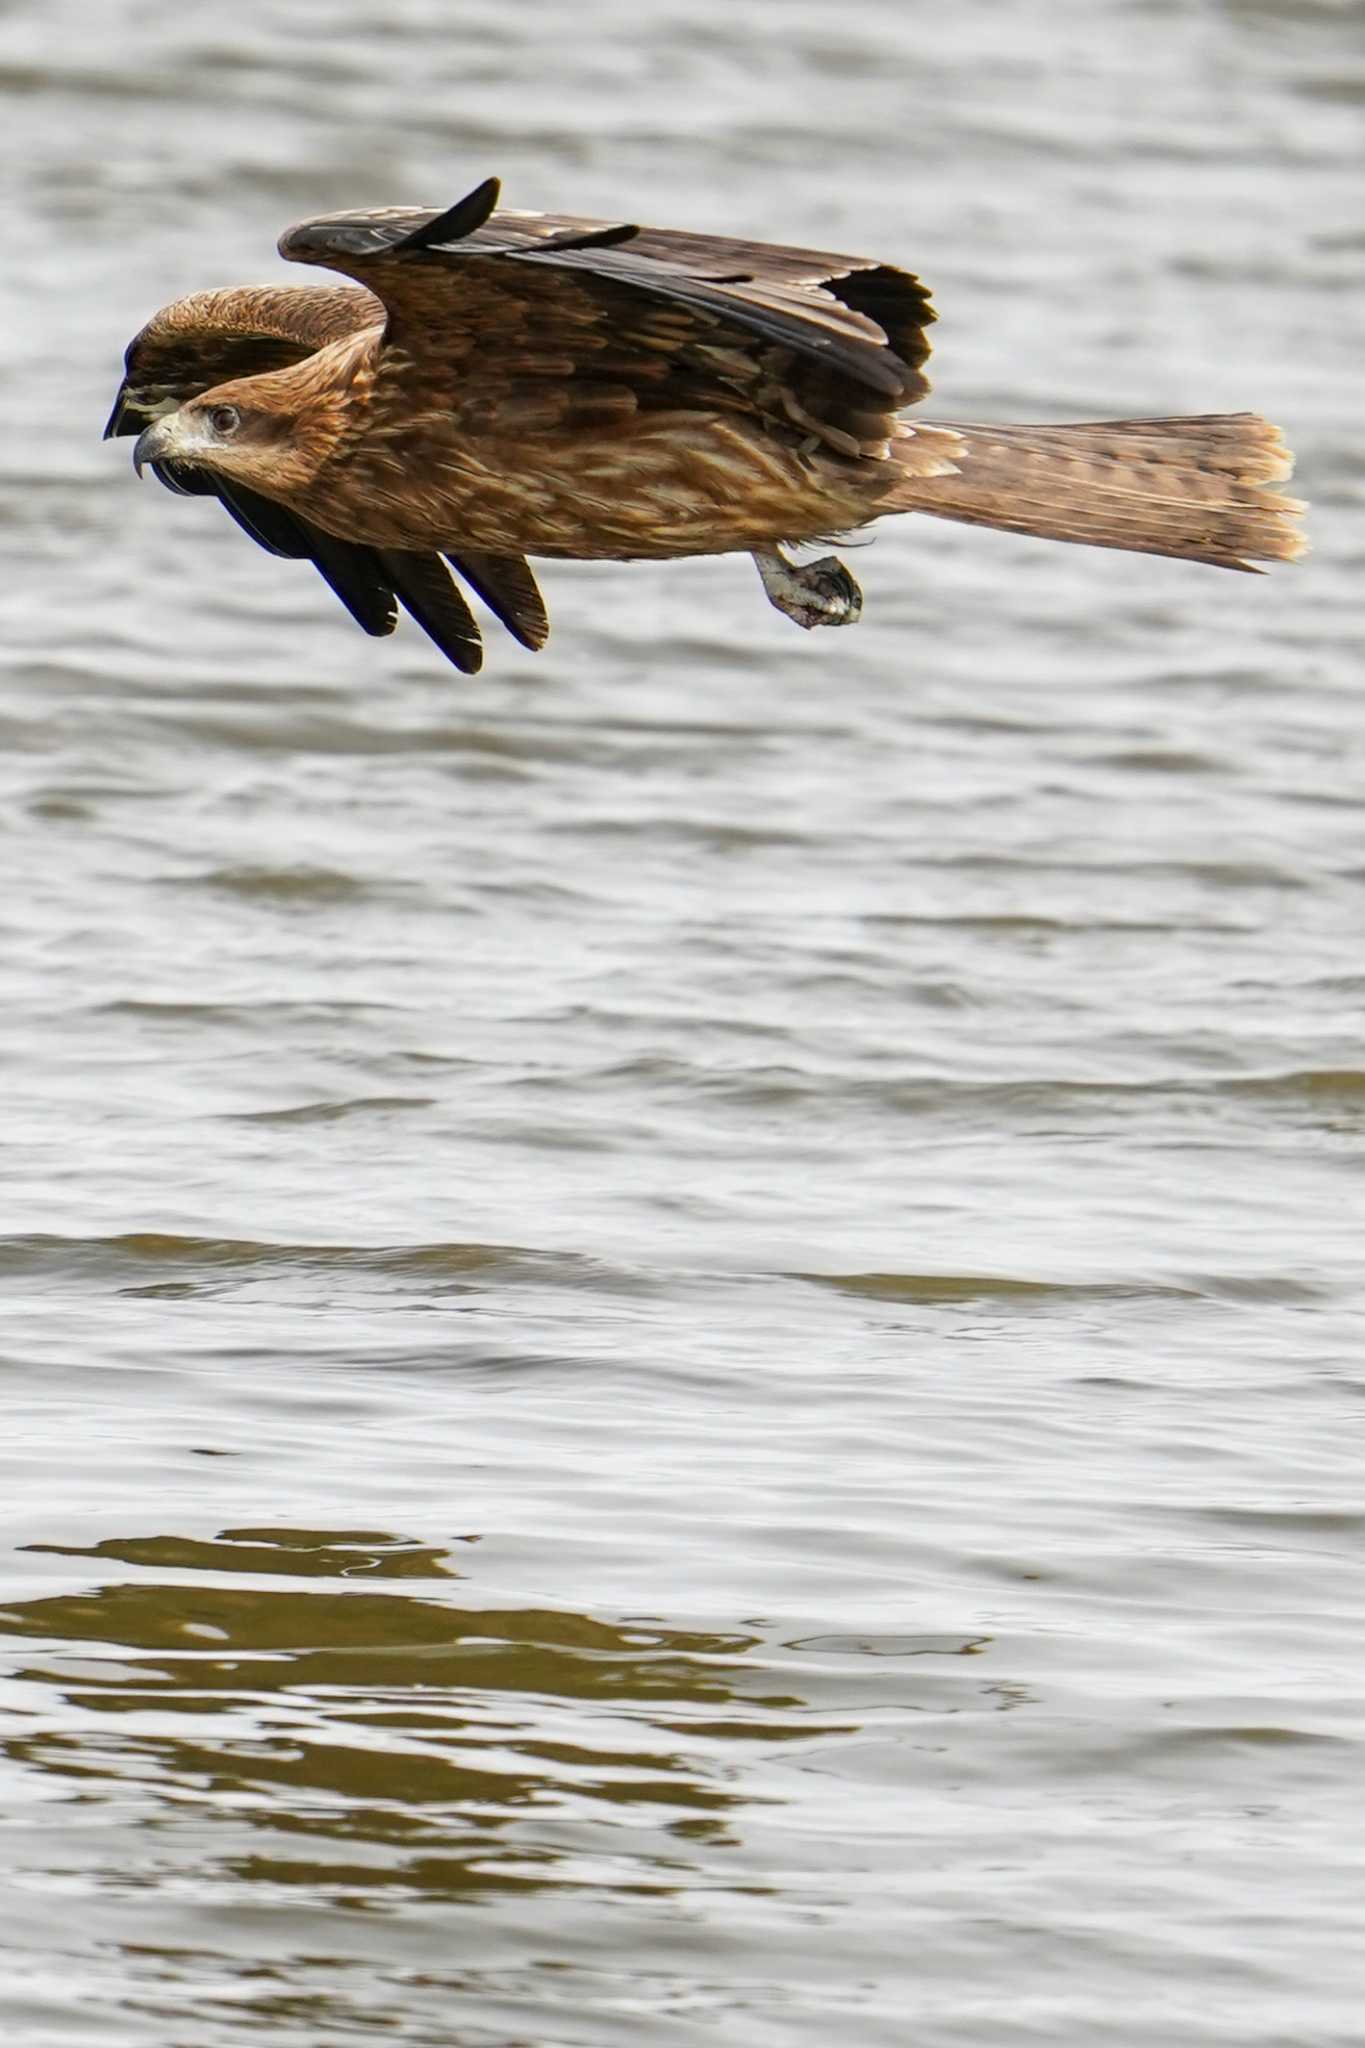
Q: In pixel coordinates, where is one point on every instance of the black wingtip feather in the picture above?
(595, 238)
(425, 589)
(455, 223)
(118, 422)
(185, 481)
(268, 524)
(355, 575)
(509, 589)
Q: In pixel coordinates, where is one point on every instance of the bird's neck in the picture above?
(326, 401)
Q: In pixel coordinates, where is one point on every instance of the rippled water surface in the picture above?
(682, 1339)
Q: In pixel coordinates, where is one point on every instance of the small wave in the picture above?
(950, 1287)
(284, 885)
(332, 1112)
(131, 1260)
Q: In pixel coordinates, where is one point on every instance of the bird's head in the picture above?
(236, 430)
(272, 432)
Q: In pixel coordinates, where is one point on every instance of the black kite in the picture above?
(513, 384)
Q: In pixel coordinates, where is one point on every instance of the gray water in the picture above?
(682, 1326)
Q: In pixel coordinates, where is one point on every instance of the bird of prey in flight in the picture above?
(496, 385)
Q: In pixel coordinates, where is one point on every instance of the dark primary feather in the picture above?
(357, 577)
(458, 220)
(354, 574)
(428, 592)
(508, 588)
(271, 526)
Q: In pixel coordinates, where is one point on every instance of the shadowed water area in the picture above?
(681, 1351)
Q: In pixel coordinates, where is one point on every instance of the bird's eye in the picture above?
(225, 419)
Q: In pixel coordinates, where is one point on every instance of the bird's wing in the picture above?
(214, 337)
(545, 320)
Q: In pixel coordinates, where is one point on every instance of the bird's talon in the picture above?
(811, 594)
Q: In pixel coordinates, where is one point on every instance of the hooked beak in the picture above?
(156, 443)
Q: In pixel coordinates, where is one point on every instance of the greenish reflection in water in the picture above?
(295, 1553)
(374, 1742)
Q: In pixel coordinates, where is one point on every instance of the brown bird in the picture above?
(508, 384)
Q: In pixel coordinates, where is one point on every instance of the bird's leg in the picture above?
(813, 593)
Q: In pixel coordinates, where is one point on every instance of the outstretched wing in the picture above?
(545, 320)
(213, 337)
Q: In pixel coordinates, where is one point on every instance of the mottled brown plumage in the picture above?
(498, 385)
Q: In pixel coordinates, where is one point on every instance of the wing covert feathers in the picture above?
(468, 284)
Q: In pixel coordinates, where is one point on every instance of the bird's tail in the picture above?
(1197, 488)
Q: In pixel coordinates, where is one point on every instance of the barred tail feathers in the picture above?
(1195, 488)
